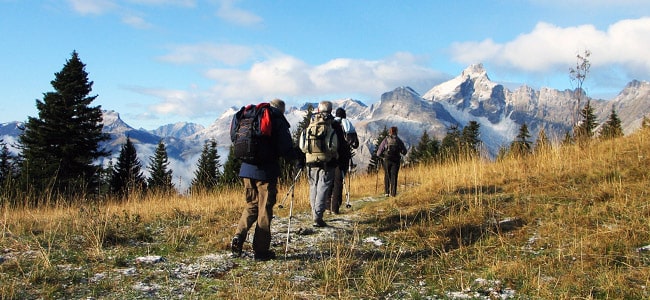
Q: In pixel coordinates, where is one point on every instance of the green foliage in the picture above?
(521, 146)
(470, 140)
(160, 178)
(60, 147)
(542, 142)
(450, 147)
(426, 151)
(612, 128)
(126, 177)
(585, 129)
(230, 176)
(206, 176)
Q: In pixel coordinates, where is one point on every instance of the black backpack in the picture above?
(392, 148)
(250, 133)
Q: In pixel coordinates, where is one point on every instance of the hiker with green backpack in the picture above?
(391, 150)
(322, 143)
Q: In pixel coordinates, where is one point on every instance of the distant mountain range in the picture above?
(471, 96)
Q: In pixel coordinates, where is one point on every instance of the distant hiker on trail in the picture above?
(320, 142)
(345, 160)
(260, 176)
(391, 150)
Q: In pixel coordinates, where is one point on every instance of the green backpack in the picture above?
(318, 141)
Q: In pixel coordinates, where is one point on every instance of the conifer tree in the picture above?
(612, 128)
(426, 150)
(160, 178)
(375, 161)
(206, 176)
(7, 169)
(230, 176)
(469, 140)
(542, 142)
(521, 146)
(450, 146)
(126, 177)
(60, 147)
(585, 130)
(645, 122)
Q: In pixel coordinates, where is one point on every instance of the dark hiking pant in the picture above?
(391, 169)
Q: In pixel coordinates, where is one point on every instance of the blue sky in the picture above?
(163, 61)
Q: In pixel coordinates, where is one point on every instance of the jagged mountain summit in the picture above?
(471, 96)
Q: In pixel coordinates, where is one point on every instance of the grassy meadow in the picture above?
(567, 223)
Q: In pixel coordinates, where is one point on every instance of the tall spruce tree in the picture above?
(7, 170)
(126, 177)
(585, 129)
(60, 148)
(206, 176)
(612, 128)
(450, 146)
(521, 146)
(230, 175)
(542, 143)
(469, 140)
(160, 178)
(425, 151)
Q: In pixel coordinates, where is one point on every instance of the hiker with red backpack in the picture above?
(391, 150)
(260, 136)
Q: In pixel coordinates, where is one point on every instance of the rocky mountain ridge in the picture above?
(471, 96)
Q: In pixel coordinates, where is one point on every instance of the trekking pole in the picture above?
(290, 191)
(286, 249)
(347, 187)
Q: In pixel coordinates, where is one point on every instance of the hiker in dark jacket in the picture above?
(260, 182)
(391, 150)
(344, 160)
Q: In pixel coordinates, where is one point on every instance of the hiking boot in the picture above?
(319, 223)
(264, 256)
(236, 246)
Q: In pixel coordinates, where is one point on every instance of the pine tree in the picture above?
(61, 146)
(469, 140)
(585, 130)
(645, 123)
(127, 178)
(230, 176)
(206, 176)
(542, 142)
(375, 161)
(521, 146)
(160, 178)
(7, 170)
(450, 146)
(612, 128)
(426, 150)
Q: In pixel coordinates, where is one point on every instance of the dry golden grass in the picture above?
(565, 223)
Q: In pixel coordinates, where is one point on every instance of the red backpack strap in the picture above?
(265, 118)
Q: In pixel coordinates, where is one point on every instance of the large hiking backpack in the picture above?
(392, 148)
(318, 141)
(250, 133)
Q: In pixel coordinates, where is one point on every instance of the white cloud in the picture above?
(207, 52)
(548, 47)
(136, 22)
(227, 11)
(280, 75)
(94, 7)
